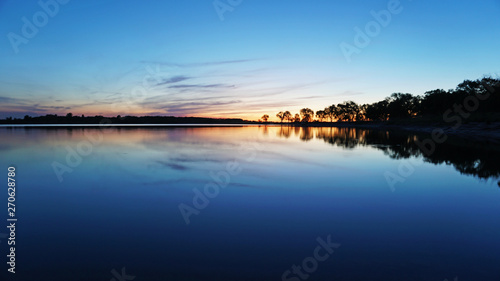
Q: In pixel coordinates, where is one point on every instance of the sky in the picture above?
(235, 58)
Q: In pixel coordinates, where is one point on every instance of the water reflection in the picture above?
(475, 158)
(468, 157)
(302, 184)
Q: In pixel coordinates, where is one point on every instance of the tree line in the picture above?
(477, 100)
(480, 98)
(98, 119)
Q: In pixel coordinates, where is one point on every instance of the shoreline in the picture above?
(471, 130)
(476, 130)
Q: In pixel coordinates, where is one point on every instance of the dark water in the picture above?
(343, 204)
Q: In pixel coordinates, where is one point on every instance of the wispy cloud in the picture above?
(236, 88)
(12, 100)
(201, 64)
(310, 97)
(172, 165)
(51, 107)
(174, 79)
(184, 86)
(18, 107)
(189, 107)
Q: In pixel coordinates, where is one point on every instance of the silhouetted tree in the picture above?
(347, 111)
(265, 117)
(331, 112)
(377, 111)
(307, 114)
(402, 105)
(288, 116)
(436, 101)
(327, 114)
(296, 119)
(281, 116)
(321, 115)
(361, 116)
(485, 90)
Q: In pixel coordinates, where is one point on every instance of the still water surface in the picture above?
(116, 204)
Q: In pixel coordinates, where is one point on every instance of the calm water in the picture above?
(91, 201)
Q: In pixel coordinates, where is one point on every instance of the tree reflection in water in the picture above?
(470, 157)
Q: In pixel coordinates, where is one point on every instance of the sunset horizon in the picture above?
(229, 65)
(254, 117)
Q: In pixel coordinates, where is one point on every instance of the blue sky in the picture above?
(180, 58)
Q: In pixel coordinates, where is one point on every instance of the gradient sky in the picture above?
(180, 58)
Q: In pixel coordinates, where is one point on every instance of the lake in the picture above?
(250, 203)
